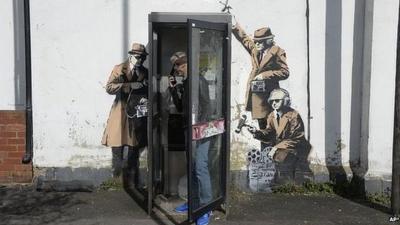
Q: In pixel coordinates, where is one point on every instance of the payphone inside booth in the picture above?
(188, 153)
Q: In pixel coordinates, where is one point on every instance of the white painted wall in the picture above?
(346, 78)
(7, 54)
(75, 46)
(317, 71)
(383, 73)
(12, 57)
(379, 134)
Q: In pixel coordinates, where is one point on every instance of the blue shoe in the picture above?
(204, 219)
(182, 208)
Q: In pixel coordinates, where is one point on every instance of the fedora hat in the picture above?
(138, 49)
(262, 33)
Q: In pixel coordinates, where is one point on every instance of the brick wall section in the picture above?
(12, 148)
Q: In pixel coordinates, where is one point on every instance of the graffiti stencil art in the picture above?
(261, 170)
(282, 157)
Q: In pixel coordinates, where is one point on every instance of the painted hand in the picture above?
(272, 153)
(136, 85)
(259, 77)
(234, 19)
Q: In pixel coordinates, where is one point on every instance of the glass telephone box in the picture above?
(188, 149)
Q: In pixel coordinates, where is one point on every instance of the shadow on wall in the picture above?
(333, 43)
(362, 41)
(19, 54)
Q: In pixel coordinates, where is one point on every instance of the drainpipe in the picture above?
(28, 111)
(395, 198)
(308, 70)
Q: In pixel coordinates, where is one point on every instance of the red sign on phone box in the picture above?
(208, 129)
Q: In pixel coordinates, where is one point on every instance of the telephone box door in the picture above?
(208, 115)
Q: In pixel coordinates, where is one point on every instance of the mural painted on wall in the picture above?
(127, 122)
(283, 153)
(261, 170)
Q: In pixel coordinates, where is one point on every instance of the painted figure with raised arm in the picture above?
(268, 68)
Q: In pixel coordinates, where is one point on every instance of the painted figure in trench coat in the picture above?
(284, 134)
(268, 64)
(127, 80)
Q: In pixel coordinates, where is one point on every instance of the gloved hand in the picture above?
(252, 130)
(143, 101)
(257, 134)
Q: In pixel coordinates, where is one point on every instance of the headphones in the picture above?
(285, 98)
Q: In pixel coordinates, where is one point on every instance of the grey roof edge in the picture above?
(182, 17)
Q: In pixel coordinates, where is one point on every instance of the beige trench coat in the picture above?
(273, 68)
(116, 133)
(288, 136)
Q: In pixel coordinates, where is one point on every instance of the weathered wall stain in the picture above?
(237, 111)
(76, 131)
(238, 155)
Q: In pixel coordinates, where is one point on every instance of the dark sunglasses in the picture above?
(137, 56)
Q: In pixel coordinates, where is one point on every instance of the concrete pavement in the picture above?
(23, 205)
